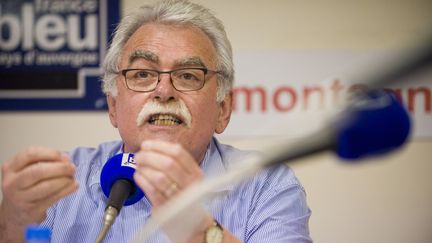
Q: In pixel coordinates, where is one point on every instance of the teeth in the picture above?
(164, 120)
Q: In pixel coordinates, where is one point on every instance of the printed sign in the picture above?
(128, 160)
(51, 52)
(290, 93)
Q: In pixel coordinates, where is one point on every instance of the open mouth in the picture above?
(164, 120)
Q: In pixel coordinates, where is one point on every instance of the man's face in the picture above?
(164, 48)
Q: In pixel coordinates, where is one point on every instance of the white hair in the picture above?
(172, 12)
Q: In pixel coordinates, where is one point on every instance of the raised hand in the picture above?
(32, 182)
(164, 169)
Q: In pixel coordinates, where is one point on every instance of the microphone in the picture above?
(369, 129)
(119, 187)
(375, 123)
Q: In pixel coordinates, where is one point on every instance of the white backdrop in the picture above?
(299, 89)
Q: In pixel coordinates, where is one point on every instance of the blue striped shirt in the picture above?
(270, 207)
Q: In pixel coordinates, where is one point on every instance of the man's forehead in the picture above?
(154, 58)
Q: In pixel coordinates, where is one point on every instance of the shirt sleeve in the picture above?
(49, 219)
(280, 212)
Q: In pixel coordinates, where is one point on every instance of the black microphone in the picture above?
(119, 187)
(120, 191)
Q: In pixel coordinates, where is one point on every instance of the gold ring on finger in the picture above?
(172, 189)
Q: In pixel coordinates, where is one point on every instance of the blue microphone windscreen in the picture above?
(120, 166)
(375, 124)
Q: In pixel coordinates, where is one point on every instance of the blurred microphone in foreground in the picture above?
(374, 123)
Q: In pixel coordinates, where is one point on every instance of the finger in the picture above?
(46, 188)
(155, 196)
(184, 158)
(34, 154)
(160, 162)
(161, 182)
(35, 211)
(50, 200)
(37, 172)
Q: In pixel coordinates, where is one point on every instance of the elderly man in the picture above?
(168, 76)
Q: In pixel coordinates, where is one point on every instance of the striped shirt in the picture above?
(270, 207)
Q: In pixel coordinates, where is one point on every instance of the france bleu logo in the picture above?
(51, 51)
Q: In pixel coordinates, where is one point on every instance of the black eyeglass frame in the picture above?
(205, 70)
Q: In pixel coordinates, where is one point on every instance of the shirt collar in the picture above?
(97, 166)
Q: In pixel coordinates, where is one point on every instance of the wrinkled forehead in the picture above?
(180, 45)
(149, 56)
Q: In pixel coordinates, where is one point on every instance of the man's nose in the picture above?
(165, 90)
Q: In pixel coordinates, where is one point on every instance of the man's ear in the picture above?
(112, 110)
(225, 113)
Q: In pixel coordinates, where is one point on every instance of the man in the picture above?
(168, 76)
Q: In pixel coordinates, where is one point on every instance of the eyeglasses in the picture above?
(184, 79)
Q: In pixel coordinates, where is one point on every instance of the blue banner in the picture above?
(51, 51)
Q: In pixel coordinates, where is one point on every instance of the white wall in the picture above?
(389, 201)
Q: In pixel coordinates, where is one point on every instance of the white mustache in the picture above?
(177, 108)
